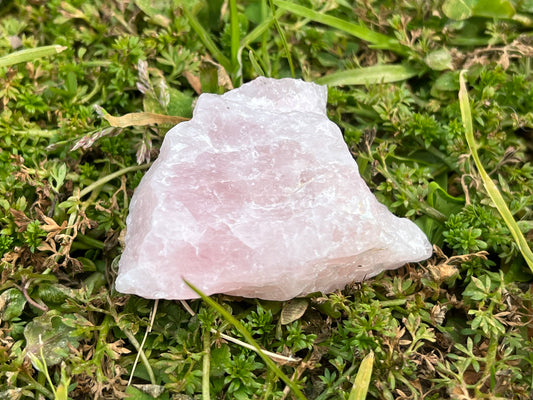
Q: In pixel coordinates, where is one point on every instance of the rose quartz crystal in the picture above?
(259, 196)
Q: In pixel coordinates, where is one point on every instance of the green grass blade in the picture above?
(369, 75)
(492, 190)
(261, 28)
(240, 327)
(30, 55)
(265, 37)
(362, 379)
(255, 64)
(88, 189)
(235, 33)
(207, 41)
(378, 40)
(283, 39)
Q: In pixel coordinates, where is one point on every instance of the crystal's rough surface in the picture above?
(259, 196)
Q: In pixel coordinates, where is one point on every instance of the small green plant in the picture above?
(463, 237)
(34, 234)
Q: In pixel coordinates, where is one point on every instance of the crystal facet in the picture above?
(259, 196)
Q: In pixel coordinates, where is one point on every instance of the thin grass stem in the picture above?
(206, 367)
(33, 384)
(206, 40)
(490, 186)
(139, 352)
(274, 356)
(110, 177)
(283, 38)
(261, 28)
(243, 331)
(235, 34)
(360, 31)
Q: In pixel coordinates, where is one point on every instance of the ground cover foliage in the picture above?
(456, 326)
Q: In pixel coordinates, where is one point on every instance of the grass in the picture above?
(29, 55)
(87, 93)
(490, 186)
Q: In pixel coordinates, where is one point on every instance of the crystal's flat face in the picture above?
(259, 196)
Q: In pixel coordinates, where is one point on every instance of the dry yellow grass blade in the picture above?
(141, 119)
(362, 379)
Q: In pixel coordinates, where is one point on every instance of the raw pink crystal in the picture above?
(259, 196)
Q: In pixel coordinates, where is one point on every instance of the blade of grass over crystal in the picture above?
(30, 55)
(362, 379)
(207, 41)
(368, 75)
(492, 190)
(243, 331)
(378, 40)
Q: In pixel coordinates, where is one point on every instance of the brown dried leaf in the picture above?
(194, 81)
(223, 77)
(118, 349)
(293, 310)
(438, 313)
(141, 119)
(51, 226)
(153, 390)
(443, 272)
(48, 246)
(21, 220)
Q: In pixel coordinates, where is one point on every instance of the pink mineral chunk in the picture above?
(259, 196)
